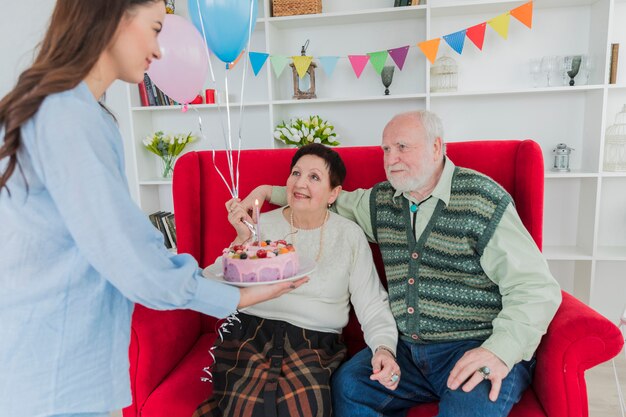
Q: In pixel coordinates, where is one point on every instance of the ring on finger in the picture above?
(484, 371)
(395, 377)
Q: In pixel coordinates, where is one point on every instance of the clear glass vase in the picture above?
(167, 167)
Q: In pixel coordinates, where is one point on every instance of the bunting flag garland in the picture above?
(378, 59)
(328, 63)
(476, 34)
(278, 63)
(358, 63)
(257, 60)
(430, 48)
(501, 24)
(302, 64)
(399, 55)
(524, 14)
(456, 40)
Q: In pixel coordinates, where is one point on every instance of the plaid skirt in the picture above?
(270, 368)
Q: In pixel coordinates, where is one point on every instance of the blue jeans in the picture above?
(425, 370)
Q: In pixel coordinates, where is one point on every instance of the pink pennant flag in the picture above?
(358, 63)
(399, 55)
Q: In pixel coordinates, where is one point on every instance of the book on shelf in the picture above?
(614, 60)
(167, 227)
(143, 94)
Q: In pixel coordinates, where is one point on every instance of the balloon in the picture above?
(183, 67)
(226, 24)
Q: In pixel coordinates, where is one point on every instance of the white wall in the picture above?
(22, 25)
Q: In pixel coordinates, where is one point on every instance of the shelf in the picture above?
(606, 174)
(350, 99)
(565, 253)
(571, 174)
(494, 7)
(611, 253)
(551, 90)
(348, 17)
(197, 106)
(156, 181)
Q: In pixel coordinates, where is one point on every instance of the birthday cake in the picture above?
(260, 262)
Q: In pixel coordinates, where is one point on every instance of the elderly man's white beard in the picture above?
(406, 184)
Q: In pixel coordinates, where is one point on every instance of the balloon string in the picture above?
(233, 194)
(229, 150)
(221, 330)
(206, 45)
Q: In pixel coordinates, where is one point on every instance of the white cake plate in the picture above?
(215, 272)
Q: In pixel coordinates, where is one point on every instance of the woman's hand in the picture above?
(259, 293)
(386, 369)
(261, 193)
(236, 215)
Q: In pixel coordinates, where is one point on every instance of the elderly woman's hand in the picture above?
(261, 193)
(236, 216)
(385, 369)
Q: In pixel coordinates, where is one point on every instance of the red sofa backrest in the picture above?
(200, 194)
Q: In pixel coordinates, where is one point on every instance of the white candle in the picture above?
(258, 221)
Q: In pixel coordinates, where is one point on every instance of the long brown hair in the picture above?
(78, 33)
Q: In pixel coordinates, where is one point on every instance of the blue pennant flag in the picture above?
(328, 63)
(456, 40)
(257, 59)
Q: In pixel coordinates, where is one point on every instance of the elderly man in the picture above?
(469, 289)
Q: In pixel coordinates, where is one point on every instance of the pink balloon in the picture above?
(183, 67)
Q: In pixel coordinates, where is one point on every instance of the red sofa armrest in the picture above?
(578, 338)
(159, 341)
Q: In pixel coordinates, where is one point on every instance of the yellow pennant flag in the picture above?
(302, 64)
(501, 24)
(430, 48)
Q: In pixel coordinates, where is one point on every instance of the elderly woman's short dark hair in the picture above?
(334, 163)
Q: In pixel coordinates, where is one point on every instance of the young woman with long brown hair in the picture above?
(76, 251)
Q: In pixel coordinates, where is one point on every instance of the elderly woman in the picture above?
(279, 361)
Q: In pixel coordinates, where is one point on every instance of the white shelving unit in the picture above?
(585, 210)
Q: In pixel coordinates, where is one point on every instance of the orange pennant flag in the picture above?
(524, 14)
(476, 34)
(430, 48)
(232, 64)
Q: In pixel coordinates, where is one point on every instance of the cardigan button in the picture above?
(415, 255)
(411, 281)
(410, 310)
(414, 336)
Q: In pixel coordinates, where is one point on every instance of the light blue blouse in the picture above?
(75, 254)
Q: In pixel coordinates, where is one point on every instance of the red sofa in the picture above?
(169, 349)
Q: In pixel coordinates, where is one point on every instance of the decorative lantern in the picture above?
(444, 75)
(304, 88)
(615, 144)
(561, 157)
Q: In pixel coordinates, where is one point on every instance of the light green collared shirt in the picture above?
(512, 260)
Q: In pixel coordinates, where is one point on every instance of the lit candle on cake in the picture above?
(258, 221)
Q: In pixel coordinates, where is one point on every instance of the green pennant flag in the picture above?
(378, 60)
(278, 63)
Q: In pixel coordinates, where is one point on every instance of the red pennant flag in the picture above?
(524, 14)
(476, 34)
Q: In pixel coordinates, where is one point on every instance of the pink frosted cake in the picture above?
(267, 261)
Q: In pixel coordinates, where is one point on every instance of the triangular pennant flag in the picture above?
(302, 64)
(524, 14)
(278, 63)
(456, 40)
(501, 24)
(328, 63)
(378, 59)
(358, 63)
(257, 59)
(399, 55)
(430, 48)
(476, 34)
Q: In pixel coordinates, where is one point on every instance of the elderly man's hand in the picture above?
(466, 371)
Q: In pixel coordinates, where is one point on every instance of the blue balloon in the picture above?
(226, 24)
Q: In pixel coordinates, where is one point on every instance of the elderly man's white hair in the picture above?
(431, 122)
